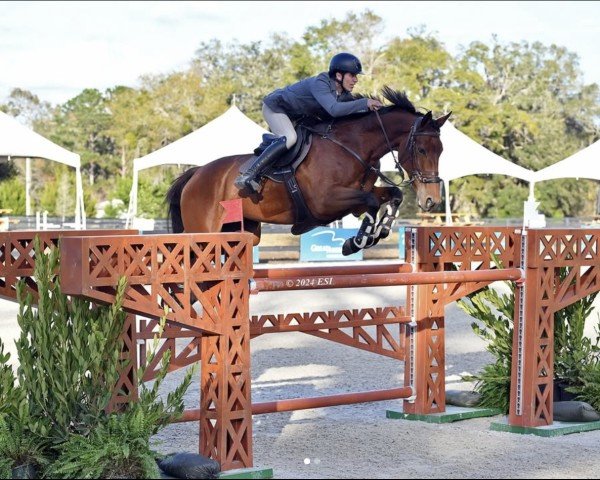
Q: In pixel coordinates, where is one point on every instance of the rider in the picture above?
(326, 95)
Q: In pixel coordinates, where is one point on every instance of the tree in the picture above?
(26, 107)
(527, 103)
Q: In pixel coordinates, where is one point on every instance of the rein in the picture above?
(417, 174)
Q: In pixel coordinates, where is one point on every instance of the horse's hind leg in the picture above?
(254, 228)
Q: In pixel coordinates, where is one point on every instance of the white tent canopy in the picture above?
(583, 164)
(463, 156)
(16, 140)
(229, 134)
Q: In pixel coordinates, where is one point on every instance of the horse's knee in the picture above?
(371, 201)
(397, 196)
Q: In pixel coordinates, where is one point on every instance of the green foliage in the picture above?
(576, 358)
(494, 311)
(573, 350)
(589, 388)
(25, 106)
(153, 187)
(5, 468)
(119, 446)
(12, 195)
(7, 170)
(8, 390)
(18, 447)
(58, 410)
(66, 387)
(116, 448)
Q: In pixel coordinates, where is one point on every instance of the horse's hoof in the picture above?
(349, 247)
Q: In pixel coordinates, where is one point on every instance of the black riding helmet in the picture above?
(345, 63)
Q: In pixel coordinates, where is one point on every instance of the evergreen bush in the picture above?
(69, 362)
(68, 352)
(576, 357)
(119, 447)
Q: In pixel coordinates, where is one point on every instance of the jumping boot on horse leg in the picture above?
(251, 177)
(363, 239)
(382, 230)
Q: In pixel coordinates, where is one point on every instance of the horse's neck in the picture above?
(397, 126)
(366, 138)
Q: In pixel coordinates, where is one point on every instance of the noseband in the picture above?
(411, 147)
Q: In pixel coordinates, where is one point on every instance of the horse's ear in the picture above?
(426, 119)
(440, 121)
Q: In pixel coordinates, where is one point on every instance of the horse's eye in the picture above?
(421, 150)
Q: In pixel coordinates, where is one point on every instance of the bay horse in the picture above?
(337, 177)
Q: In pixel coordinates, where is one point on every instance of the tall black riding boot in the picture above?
(251, 177)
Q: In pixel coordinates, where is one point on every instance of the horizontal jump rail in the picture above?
(382, 279)
(314, 402)
(310, 271)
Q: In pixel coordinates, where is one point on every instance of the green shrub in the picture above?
(10, 394)
(68, 354)
(573, 350)
(69, 362)
(493, 383)
(18, 447)
(576, 357)
(119, 447)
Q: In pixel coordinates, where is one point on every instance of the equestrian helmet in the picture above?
(345, 63)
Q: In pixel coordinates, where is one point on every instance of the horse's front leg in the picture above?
(365, 236)
(391, 197)
(371, 229)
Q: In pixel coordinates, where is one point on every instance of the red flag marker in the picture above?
(233, 211)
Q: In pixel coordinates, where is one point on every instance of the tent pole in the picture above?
(132, 210)
(447, 195)
(79, 207)
(27, 186)
(531, 191)
(77, 202)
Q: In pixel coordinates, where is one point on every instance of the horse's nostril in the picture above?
(429, 203)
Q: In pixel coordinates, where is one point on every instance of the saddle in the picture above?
(283, 170)
(288, 161)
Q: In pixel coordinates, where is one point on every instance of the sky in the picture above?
(56, 49)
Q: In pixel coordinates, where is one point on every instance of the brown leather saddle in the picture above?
(290, 160)
(284, 171)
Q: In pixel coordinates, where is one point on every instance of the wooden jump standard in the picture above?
(216, 271)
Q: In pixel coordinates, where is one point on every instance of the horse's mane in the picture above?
(397, 98)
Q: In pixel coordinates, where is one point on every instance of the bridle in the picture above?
(411, 147)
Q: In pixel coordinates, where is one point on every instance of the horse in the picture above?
(337, 178)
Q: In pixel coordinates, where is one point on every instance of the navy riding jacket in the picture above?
(314, 97)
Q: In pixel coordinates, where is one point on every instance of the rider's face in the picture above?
(348, 80)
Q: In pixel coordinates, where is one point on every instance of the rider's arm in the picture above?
(321, 90)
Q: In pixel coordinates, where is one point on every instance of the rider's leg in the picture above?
(280, 125)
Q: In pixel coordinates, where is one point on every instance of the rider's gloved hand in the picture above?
(374, 104)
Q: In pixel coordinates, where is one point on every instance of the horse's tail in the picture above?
(173, 198)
